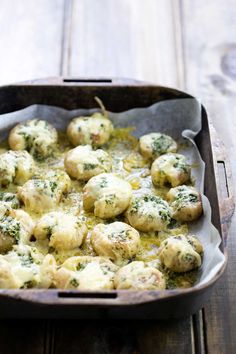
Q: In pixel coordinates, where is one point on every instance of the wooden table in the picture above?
(188, 44)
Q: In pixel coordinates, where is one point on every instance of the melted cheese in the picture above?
(132, 168)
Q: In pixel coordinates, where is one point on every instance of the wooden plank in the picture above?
(127, 38)
(210, 64)
(142, 41)
(172, 336)
(210, 74)
(129, 337)
(31, 35)
(66, 38)
(31, 42)
(23, 337)
(118, 48)
(93, 337)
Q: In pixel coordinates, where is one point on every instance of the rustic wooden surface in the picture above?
(188, 44)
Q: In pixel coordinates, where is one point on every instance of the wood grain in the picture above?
(179, 43)
(154, 337)
(105, 40)
(31, 42)
(119, 337)
(127, 38)
(23, 337)
(31, 38)
(210, 61)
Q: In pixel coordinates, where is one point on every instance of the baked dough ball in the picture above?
(64, 231)
(43, 194)
(86, 273)
(149, 213)
(155, 144)
(25, 267)
(185, 202)
(178, 255)
(15, 226)
(36, 136)
(170, 169)
(15, 167)
(83, 163)
(107, 194)
(9, 199)
(94, 130)
(138, 276)
(117, 241)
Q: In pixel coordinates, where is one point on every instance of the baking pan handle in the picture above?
(83, 81)
(224, 183)
(84, 298)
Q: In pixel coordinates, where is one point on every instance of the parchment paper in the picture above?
(181, 119)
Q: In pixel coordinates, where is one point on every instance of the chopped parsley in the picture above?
(74, 283)
(161, 144)
(26, 260)
(182, 166)
(10, 227)
(110, 199)
(48, 230)
(27, 284)
(120, 236)
(189, 258)
(26, 136)
(80, 266)
(184, 197)
(53, 185)
(164, 214)
(193, 198)
(10, 198)
(173, 224)
(90, 166)
(135, 206)
(103, 183)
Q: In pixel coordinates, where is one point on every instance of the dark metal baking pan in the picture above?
(120, 95)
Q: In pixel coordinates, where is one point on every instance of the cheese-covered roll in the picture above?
(139, 276)
(94, 130)
(43, 194)
(15, 167)
(83, 163)
(106, 194)
(117, 241)
(185, 202)
(64, 231)
(16, 226)
(155, 144)
(86, 273)
(178, 255)
(36, 136)
(26, 267)
(149, 213)
(170, 169)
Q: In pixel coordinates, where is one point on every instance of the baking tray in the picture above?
(120, 95)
